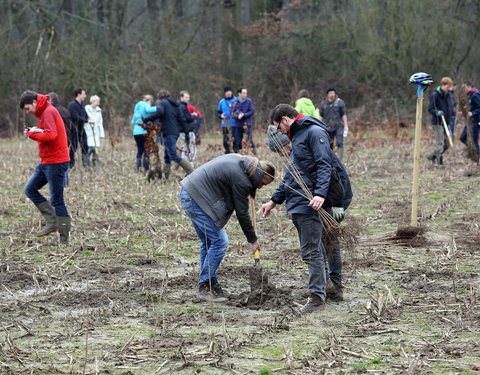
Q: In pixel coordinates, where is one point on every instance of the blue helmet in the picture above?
(421, 79)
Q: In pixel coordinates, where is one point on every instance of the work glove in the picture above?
(439, 113)
(338, 213)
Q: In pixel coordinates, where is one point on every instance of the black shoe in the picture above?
(334, 291)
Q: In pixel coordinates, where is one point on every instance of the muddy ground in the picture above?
(121, 299)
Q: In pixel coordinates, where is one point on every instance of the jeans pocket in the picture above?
(187, 207)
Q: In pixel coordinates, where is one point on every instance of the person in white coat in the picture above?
(94, 128)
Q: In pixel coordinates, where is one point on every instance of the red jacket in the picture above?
(192, 109)
(52, 143)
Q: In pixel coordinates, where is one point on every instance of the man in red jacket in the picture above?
(53, 150)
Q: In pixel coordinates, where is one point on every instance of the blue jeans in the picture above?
(170, 144)
(237, 134)
(337, 136)
(54, 176)
(310, 229)
(213, 241)
(141, 153)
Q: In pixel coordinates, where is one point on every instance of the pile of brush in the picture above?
(404, 236)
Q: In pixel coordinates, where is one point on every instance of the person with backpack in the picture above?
(328, 181)
(441, 105)
(334, 113)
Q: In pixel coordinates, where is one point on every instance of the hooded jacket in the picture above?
(222, 186)
(306, 107)
(224, 108)
(313, 155)
(441, 101)
(168, 112)
(186, 121)
(52, 143)
(142, 109)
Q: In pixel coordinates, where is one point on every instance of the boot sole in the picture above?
(43, 234)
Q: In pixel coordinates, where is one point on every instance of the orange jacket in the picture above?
(52, 143)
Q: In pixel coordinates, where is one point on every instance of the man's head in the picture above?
(446, 84)
(28, 101)
(303, 94)
(80, 95)
(282, 117)
(278, 142)
(467, 86)
(184, 96)
(162, 94)
(54, 98)
(242, 93)
(227, 92)
(331, 94)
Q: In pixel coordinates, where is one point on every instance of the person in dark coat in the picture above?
(314, 157)
(290, 192)
(473, 115)
(441, 104)
(79, 118)
(187, 128)
(242, 112)
(168, 112)
(209, 196)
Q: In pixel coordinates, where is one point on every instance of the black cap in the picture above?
(331, 89)
(227, 88)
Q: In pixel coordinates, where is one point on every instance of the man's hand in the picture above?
(469, 114)
(316, 203)
(255, 246)
(240, 115)
(439, 113)
(338, 213)
(223, 116)
(267, 207)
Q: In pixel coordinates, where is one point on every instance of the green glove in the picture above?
(338, 213)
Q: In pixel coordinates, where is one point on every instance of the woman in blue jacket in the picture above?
(142, 109)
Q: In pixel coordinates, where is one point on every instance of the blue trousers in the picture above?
(213, 241)
(170, 144)
(54, 176)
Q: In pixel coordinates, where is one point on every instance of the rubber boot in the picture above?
(166, 170)
(340, 153)
(63, 224)
(48, 212)
(186, 166)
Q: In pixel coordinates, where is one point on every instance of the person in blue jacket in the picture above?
(473, 115)
(242, 112)
(290, 192)
(315, 159)
(142, 109)
(223, 110)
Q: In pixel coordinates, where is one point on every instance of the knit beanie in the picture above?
(227, 88)
(276, 140)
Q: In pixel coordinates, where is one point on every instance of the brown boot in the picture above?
(48, 212)
(334, 291)
(314, 304)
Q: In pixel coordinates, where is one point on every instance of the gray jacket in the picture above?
(222, 186)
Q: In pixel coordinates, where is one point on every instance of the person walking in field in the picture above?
(79, 118)
(209, 196)
(168, 112)
(242, 112)
(142, 109)
(94, 129)
(53, 151)
(197, 123)
(187, 129)
(473, 116)
(304, 104)
(224, 113)
(290, 192)
(441, 105)
(334, 113)
(315, 159)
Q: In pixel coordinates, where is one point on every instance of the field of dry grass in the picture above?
(121, 298)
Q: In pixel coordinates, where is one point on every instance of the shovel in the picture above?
(447, 131)
(258, 277)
